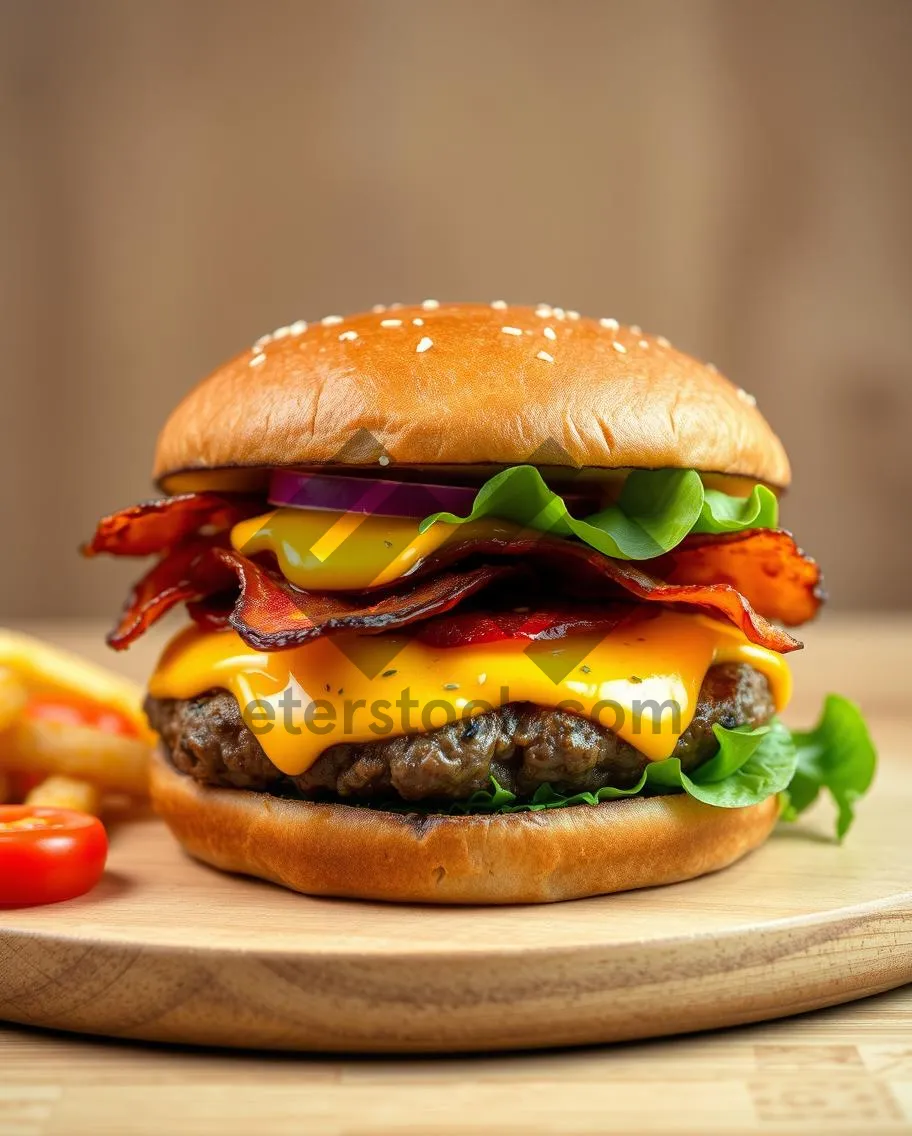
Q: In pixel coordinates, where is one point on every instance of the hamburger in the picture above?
(486, 604)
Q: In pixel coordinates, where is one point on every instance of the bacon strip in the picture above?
(269, 613)
(272, 614)
(154, 526)
(765, 565)
(590, 574)
(734, 577)
(716, 600)
(188, 574)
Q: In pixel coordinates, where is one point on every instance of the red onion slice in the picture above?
(378, 497)
(367, 495)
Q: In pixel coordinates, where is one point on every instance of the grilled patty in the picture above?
(521, 745)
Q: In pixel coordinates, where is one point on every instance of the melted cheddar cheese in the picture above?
(328, 551)
(642, 680)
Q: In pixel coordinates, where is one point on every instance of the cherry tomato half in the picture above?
(48, 855)
(70, 711)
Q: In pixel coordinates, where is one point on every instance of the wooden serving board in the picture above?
(169, 950)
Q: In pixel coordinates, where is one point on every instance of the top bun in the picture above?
(468, 385)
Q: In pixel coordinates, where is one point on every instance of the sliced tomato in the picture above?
(466, 628)
(48, 855)
(74, 711)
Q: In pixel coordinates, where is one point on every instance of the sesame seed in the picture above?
(619, 347)
(662, 341)
(545, 311)
(644, 343)
(298, 327)
(424, 343)
(418, 321)
(391, 323)
(483, 678)
(745, 397)
(430, 305)
(281, 332)
(348, 335)
(559, 313)
(545, 357)
(498, 305)
(262, 341)
(611, 324)
(635, 329)
(571, 314)
(330, 321)
(383, 460)
(511, 330)
(395, 307)
(377, 308)
(549, 333)
(712, 367)
(258, 360)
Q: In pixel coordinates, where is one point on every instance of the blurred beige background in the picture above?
(179, 177)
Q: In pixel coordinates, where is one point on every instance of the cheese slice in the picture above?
(642, 681)
(322, 550)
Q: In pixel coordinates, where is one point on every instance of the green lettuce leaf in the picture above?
(751, 765)
(837, 755)
(655, 511)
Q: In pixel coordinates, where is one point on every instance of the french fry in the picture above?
(13, 697)
(66, 793)
(45, 669)
(110, 761)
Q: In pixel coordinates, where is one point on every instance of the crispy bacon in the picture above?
(272, 614)
(716, 600)
(154, 526)
(189, 574)
(592, 575)
(765, 565)
(746, 578)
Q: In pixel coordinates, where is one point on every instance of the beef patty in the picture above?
(521, 745)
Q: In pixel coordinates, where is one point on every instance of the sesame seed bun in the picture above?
(467, 385)
(540, 857)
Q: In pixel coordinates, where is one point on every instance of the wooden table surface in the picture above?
(848, 1069)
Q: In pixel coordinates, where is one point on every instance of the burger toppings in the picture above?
(548, 654)
(374, 496)
(293, 575)
(655, 511)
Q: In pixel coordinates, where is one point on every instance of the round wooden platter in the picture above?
(169, 950)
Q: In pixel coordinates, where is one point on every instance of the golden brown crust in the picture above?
(324, 849)
(467, 384)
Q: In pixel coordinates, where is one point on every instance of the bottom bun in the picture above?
(540, 857)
